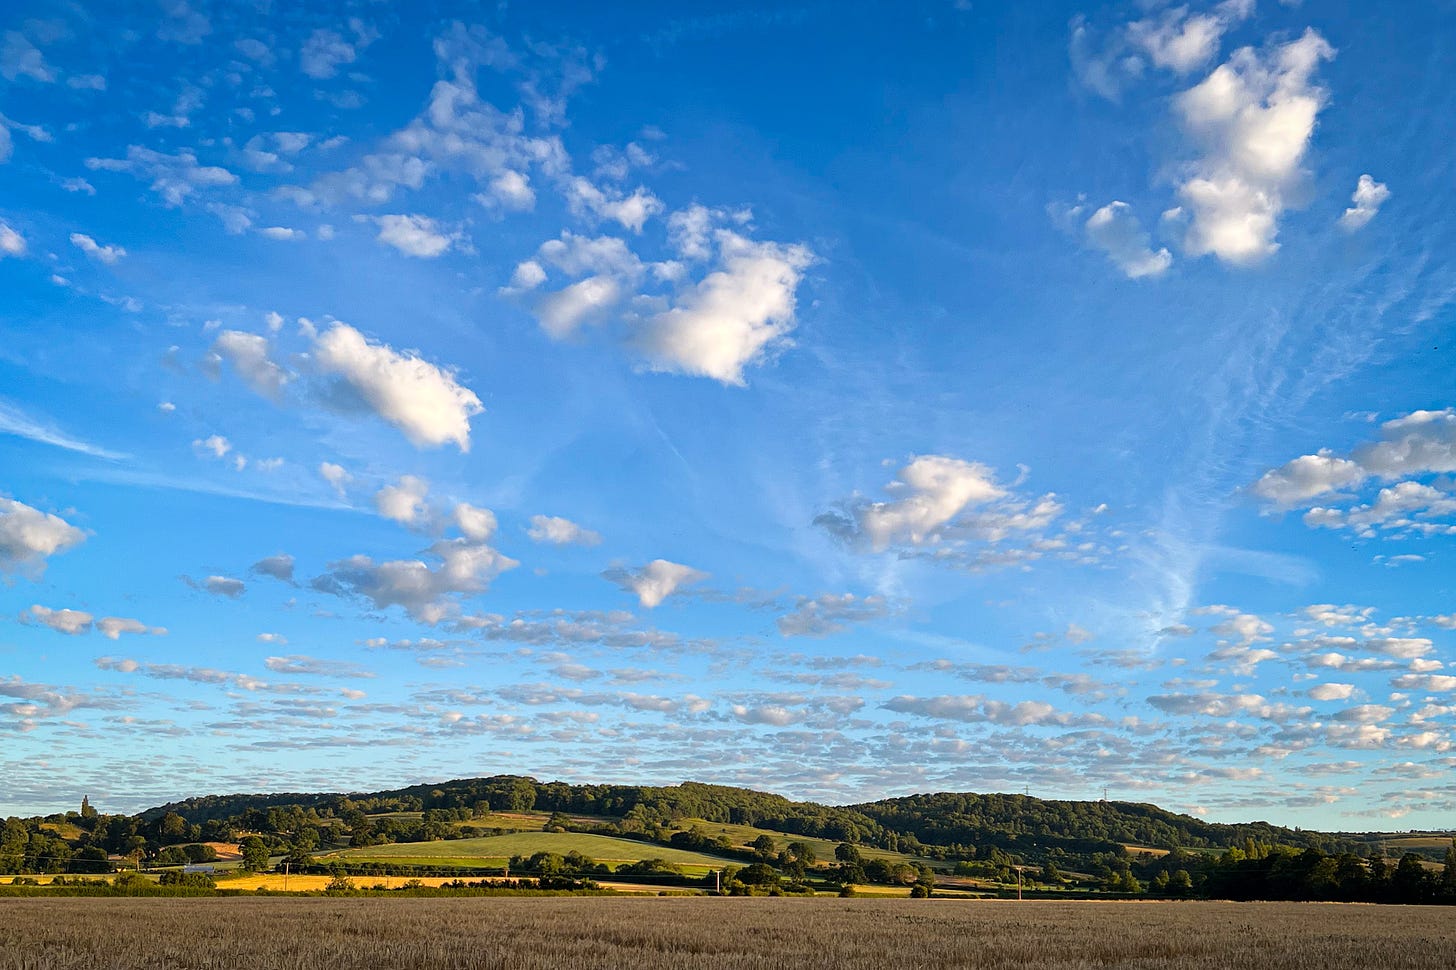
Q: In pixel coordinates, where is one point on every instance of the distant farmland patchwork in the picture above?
(725, 934)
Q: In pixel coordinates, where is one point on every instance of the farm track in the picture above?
(725, 934)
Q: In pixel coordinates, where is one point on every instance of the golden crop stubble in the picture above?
(720, 933)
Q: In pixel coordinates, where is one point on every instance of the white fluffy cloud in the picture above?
(1253, 116)
(279, 566)
(1417, 445)
(173, 177)
(557, 531)
(69, 622)
(215, 445)
(1369, 196)
(1181, 41)
(248, 353)
(405, 502)
(323, 53)
(1307, 477)
(429, 594)
(29, 536)
(822, 615)
(112, 627)
(109, 255)
(734, 316)
(932, 489)
(459, 132)
(565, 311)
(1118, 233)
(1331, 692)
(973, 708)
(954, 512)
(422, 400)
(218, 585)
(655, 581)
(336, 475)
(12, 243)
(630, 211)
(75, 622)
(474, 523)
(414, 235)
(511, 190)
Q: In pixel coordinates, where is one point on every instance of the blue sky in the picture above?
(844, 400)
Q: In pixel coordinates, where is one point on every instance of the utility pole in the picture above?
(1018, 883)
(718, 881)
(285, 877)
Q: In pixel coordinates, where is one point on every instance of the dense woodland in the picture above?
(1051, 846)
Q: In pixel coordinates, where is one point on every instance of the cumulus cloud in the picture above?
(557, 531)
(422, 400)
(1307, 477)
(1177, 39)
(335, 475)
(70, 622)
(735, 316)
(217, 585)
(306, 666)
(630, 211)
(474, 523)
(429, 594)
(732, 318)
(954, 512)
(279, 567)
(830, 613)
(776, 715)
(1411, 447)
(1254, 117)
(929, 492)
(460, 132)
(1246, 628)
(215, 445)
(509, 190)
(974, 708)
(1208, 704)
(173, 177)
(414, 235)
(112, 627)
(1181, 41)
(655, 581)
(565, 311)
(248, 354)
(1331, 692)
(182, 24)
(75, 622)
(28, 537)
(405, 502)
(326, 51)
(1118, 233)
(109, 255)
(527, 276)
(1369, 196)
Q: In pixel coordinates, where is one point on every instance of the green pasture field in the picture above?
(496, 849)
(743, 835)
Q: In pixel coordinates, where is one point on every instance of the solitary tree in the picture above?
(255, 853)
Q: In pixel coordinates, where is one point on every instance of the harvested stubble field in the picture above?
(722, 933)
